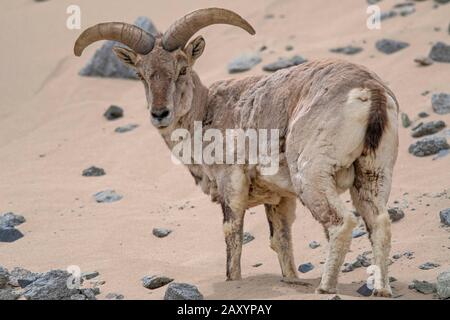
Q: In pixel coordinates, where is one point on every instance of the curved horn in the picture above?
(134, 37)
(183, 29)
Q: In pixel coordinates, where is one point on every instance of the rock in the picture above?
(93, 172)
(256, 265)
(349, 50)
(126, 128)
(428, 146)
(104, 63)
(50, 286)
(78, 296)
(428, 128)
(107, 196)
(20, 277)
(283, 63)
(441, 154)
(409, 255)
(396, 214)
(407, 9)
(248, 237)
(423, 114)
(336, 297)
(442, 1)
(314, 244)
(114, 296)
(9, 294)
(424, 287)
(361, 261)
(113, 112)
(365, 291)
(445, 216)
(389, 46)
(405, 120)
(154, 282)
(397, 256)
(4, 277)
(358, 233)
(392, 279)
(243, 63)
(289, 48)
(443, 285)
(441, 103)
(423, 61)
(10, 219)
(428, 266)
(305, 267)
(440, 52)
(373, 1)
(90, 293)
(388, 14)
(90, 275)
(9, 234)
(182, 291)
(161, 232)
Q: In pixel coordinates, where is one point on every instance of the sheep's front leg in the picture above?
(233, 227)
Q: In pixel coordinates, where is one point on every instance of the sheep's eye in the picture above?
(183, 71)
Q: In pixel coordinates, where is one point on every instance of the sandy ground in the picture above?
(51, 128)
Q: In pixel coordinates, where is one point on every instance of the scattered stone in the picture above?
(90, 275)
(396, 214)
(154, 282)
(107, 196)
(126, 128)
(247, 238)
(405, 9)
(9, 294)
(423, 114)
(114, 296)
(365, 291)
(409, 255)
(9, 219)
(397, 256)
(388, 14)
(113, 113)
(90, 293)
(424, 287)
(10, 234)
(348, 50)
(182, 291)
(93, 172)
(361, 261)
(305, 267)
(336, 297)
(105, 63)
(289, 48)
(243, 63)
(417, 126)
(4, 277)
(443, 285)
(428, 128)
(78, 296)
(50, 286)
(256, 265)
(314, 244)
(428, 266)
(392, 279)
(358, 233)
(389, 46)
(441, 103)
(445, 216)
(20, 277)
(428, 146)
(283, 63)
(425, 93)
(405, 120)
(373, 1)
(441, 154)
(161, 232)
(423, 61)
(440, 52)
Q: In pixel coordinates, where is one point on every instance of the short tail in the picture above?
(377, 121)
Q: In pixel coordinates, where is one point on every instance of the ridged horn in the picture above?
(134, 37)
(183, 29)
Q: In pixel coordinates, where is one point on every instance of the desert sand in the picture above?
(51, 128)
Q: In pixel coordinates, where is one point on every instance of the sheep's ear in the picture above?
(127, 56)
(195, 49)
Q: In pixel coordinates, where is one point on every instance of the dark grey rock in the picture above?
(90, 275)
(107, 196)
(423, 114)
(305, 267)
(388, 14)
(441, 154)
(443, 285)
(4, 277)
(314, 244)
(243, 63)
(154, 282)
(373, 1)
(409, 255)
(389, 46)
(442, 1)
(256, 265)
(361, 261)
(424, 287)
(182, 291)
(283, 63)
(441, 103)
(90, 293)
(406, 122)
(289, 48)
(396, 214)
(428, 146)
(397, 256)
(104, 63)
(440, 52)
(9, 234)
(407, 9)
(417, 126)
(50, 286)
(9, 294)
(445, 216)
(349, 50)
(11, 219)
(428, 266)
(423, 61)
(365, 291)
(428, 128)
(114, 296)
(356, 233)
(161, 232)
(126, 128)
(93, 172)
(248, 237)
(78, 296)
(113, 112)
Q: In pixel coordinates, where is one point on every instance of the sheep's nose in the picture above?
(160, 113)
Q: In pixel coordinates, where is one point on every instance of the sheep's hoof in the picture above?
(295, 281)
(325, 291)
(385, 293)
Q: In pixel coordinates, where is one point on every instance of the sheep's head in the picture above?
(164, 63)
